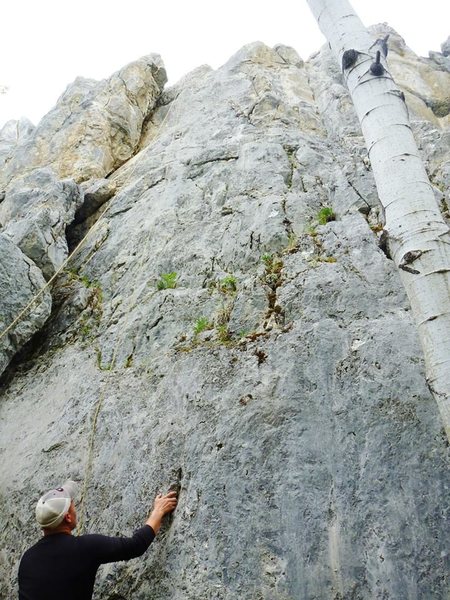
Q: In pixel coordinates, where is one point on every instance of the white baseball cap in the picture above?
(53, 506)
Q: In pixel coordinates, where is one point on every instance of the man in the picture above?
(62, 566)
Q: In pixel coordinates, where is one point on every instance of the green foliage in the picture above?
(267, 260)
(223, 315)
(223, 334)
(312, 231)
(100, 365)
(228, 284)
(325, 215)
(202, 324)
(91, 316)
(274, 265)
(293, 243)
(85, 330)
(167, 281)
(85, 281)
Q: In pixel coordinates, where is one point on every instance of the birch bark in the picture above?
(418, 237)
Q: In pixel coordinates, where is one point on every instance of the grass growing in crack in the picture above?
(91, 314)
(318, 249)
(202, 324)
(86, 281)
(228, 284)
(167, 281)
(85, 330)
(100, 365)
(267, 260)
(223, 316)
(223, 334)
(325, 215)
(312, 231)
(293, 244)
(273, 279)
(274, 265)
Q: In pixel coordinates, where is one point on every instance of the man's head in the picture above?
(55, 508)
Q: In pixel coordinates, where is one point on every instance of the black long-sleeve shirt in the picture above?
(62, 566)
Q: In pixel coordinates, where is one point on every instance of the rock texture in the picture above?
(94, 127)
(221, 330)
(34, 214)
(20, 281)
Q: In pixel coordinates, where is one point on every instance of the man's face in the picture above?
(72, 516)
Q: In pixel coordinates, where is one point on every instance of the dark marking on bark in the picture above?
(409, 269)
(410, 257)
(376, 68)
(397, 93)
(349, 58)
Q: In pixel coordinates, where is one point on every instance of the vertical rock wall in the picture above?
(212, 331)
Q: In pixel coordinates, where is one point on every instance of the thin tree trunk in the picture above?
(418, 237)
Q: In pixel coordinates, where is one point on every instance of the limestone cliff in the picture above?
(229, 320)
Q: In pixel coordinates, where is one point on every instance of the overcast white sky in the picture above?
(45, 44)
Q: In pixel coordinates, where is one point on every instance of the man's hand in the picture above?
(161, 507)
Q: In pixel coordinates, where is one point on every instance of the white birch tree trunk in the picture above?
(418, 237)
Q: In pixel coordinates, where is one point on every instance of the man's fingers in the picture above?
(171, 494)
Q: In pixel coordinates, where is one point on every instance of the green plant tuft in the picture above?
(228, 284)
(202, 324)
(167, 281)
(223, 334)
(293, 244)
(267, 260)
(273, 263)
(312, 230)
(325, 215)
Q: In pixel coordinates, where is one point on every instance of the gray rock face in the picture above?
(12, 134)
(34, 215)
(20, 280)
(217, 331)
(95, 126)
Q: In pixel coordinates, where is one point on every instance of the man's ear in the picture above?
(68, 517)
